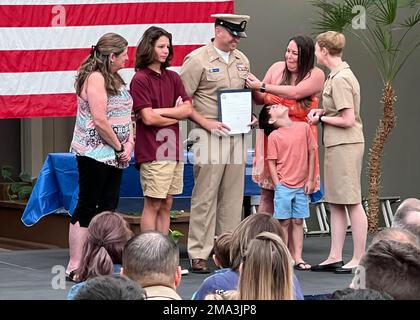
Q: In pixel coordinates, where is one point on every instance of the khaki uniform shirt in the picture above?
(161, 293)
(204, 72)
(341, 91)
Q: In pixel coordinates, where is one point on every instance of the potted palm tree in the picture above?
(384, 28)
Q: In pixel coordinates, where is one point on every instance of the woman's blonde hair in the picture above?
(333, 41)
(266, 272)
(223, 295)
(100, 60)
(247, 230)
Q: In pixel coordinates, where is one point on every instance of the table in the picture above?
(56, 190)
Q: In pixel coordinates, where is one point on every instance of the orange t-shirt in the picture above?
(290, 146)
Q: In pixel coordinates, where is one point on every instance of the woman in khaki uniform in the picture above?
(344, 147)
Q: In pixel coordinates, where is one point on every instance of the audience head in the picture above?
(407, 216)
(394, 268)
(107, 235)
(359, 294)
(110, 288)
(221, 248)
(152, 259)
(247, 230)
(332, 41)
(398, 235)
(266, 272)
(146, 51)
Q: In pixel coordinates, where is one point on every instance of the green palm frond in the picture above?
(408, 3)
(386, 11)
(334, 16)
(412, 20)
(367, 4)
(380, 37)
(383, 37)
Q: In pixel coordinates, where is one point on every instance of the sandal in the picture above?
(302, 266)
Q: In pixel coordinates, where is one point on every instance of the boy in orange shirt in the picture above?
(291, 159)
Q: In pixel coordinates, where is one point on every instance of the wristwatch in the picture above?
(119, 152)
(262, 88)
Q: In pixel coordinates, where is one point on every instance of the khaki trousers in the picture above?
(217, 197)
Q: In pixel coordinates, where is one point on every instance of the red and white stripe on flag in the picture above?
(43, 42)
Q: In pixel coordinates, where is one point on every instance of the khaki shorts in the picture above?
(161, 178)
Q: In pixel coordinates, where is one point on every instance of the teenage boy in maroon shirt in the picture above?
(160, 101)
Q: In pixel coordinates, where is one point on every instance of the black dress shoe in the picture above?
(330, 267)
(199, 266)
(345, 270)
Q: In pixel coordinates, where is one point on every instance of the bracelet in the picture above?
(120, 151)
(262, 88)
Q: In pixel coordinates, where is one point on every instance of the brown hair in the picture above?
(221, 249)
(266, 272)
(306, 59)
(396, 234)
(333, 41)
(306, 63)
(145, 52)
(394, 268)
(247, 230)
(99, 60)
(107, 235)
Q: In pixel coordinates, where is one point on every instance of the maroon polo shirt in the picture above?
(150, 89)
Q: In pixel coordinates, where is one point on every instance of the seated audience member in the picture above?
(247, 230)
(266, 272)
(407, 216)
(107, 235)
(110, 288)
(396, 234)
(391, 267)
(221, 249)
(152, 260)
(221, 258)
(359, 294)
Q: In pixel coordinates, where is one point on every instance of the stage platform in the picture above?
(27, 274)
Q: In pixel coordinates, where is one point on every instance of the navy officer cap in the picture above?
(234, 23)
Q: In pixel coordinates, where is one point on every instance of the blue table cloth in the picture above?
(56, 190)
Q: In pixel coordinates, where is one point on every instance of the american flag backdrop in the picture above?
(43, 42)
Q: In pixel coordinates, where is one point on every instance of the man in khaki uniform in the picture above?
(216, 203)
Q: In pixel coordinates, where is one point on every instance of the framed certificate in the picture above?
(235, 109)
